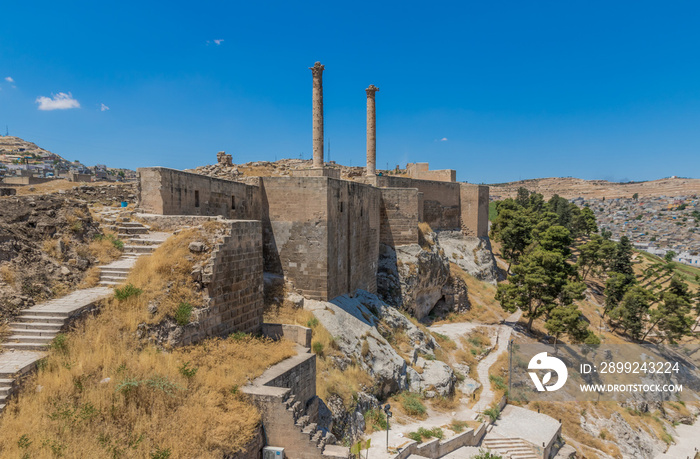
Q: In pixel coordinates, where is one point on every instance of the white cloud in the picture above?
(60, 101)
(219, 41)
(444, 139)
(103, 108)
(9, 79)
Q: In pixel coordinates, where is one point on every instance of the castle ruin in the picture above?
(320, 233)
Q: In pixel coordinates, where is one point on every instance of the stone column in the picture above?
(371, 131)
(317, 71)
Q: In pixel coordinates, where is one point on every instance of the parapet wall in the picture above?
(421, 171)
(475, 209)
(400, 215)
(233, 281)
(441, 200)
(172, 192)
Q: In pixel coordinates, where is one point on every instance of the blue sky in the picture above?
(497, 90)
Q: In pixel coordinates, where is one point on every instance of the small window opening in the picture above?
(196, 198)
(233, 203)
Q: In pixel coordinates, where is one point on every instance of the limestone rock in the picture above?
(295, 300)
(437, 377)
(412, 278)
(197, 247)
(472, 254)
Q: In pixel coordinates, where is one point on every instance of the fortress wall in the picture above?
(475, 209)
(421, 171)
(172, 192)
(353, 237)
(441, 200)
(295, 231)
(233, 282)
(400, 213)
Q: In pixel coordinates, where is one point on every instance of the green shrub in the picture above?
(126, 292)
(60, 343)
(498, 382)
(415, 436)
(412, 404)
(317, 347)
(493, 413)
(183, 313)
(160, 453)
(187, 371)
(238, 336)
(375, 419)
(312, 323)
(458, 426)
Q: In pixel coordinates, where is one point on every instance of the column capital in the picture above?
(317, 69)
(371, 90)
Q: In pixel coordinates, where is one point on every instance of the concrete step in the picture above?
(130, 224)
(40, 313)
(114, 273)
(25, 346)
(104, 278)
(30, 339)
(128, 230)
(109, 283)
(6, 381)
(302, 422)
(56, 320)
(140, 241)
(139, 248)
(113, 269)
(310, 429)
(36, 326)
(5, 391)
(33, 333)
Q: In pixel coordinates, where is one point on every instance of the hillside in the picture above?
(573, 188)
(16, 145)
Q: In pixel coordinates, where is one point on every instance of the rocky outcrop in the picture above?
(633, 443)
(472, 254)
(362, 327)
(44, 243)
(412, 278)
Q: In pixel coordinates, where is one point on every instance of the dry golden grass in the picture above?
(91, 279)
(498, 376)
(186, 401)
(50, 247)
(424, 229)
(53, 187)
(484, 307)
(165, 275)
(7, 275)
(105, 249)
(446, 404)
(148, 404)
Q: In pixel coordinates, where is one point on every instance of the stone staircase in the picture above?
(33, 331)
(511, 448)
(316, 436)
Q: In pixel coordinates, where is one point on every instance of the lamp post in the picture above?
(387, 410)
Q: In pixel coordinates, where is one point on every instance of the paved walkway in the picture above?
(398, 432)
(687, 443)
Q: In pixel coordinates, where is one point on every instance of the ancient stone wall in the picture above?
(233, 282)
(441, 200)
(400, 213)
(353, 237)
(475, 209)
(295, 231)
(25, 180)
(421, 171)
(172, 192)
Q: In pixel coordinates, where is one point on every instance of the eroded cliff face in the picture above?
(416, 278)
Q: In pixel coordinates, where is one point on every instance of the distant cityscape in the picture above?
(23, 163)
(655, 225)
